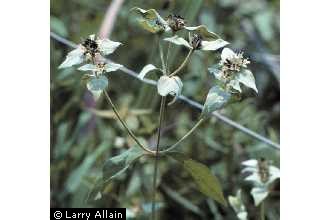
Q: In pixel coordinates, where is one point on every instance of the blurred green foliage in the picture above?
(83, 137)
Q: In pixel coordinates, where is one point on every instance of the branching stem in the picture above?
(182, 64)
(161, 117)
(124, 124)
(184, 137)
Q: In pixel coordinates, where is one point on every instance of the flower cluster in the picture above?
(231, 62)
(92, 50)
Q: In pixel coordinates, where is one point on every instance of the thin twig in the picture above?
(161, 117)
(124, 124)
(182, 64)
(184, 99)
(184, 137)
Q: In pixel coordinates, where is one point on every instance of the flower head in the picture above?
(262, 175)
(232, 62)
(176, 22)
(232, 70)
(88, 50)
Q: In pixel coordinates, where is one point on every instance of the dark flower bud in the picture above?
(196, 41)
(176, 22)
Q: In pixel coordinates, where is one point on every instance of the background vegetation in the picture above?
(82, 137)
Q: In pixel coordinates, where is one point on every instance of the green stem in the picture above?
(184, 137)
(124, 124)
(162, 56)
(262, 211)
(167, 56)
(183, 63)
(161, 116)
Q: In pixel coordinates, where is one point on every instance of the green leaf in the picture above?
(146, 69)
(107, 46)
(75, 57)
(169, 86)
(178, 41)
(246, 77)
(206, 182)
(118, 164)
(96, 85)
(216, 98)
(151, 21)
(213, 45)
(204, 32)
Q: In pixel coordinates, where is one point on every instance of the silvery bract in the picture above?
(146, 69)
(261, 187)
(216, 99)
(75, 57)
(169, 86)
(96, 85)
(107, 46)
(107, 67)
(87, 49)
(204, 45)
(237, 204)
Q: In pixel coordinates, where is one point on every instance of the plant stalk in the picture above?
(161, 116)
(182, 64)
(262, 211)
(124, 124)
(184, 137)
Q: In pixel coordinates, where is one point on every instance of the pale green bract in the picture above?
(96, 85)
(216, 99)
(213, 45)
(109, 67)
(151, 21)
(107, 46)
(169, 86)
(204, 32)
(246, 77)
(178, 41)
(88, 67)
(146, 69)
(237, 204)
(205, 45)
(75, 57)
